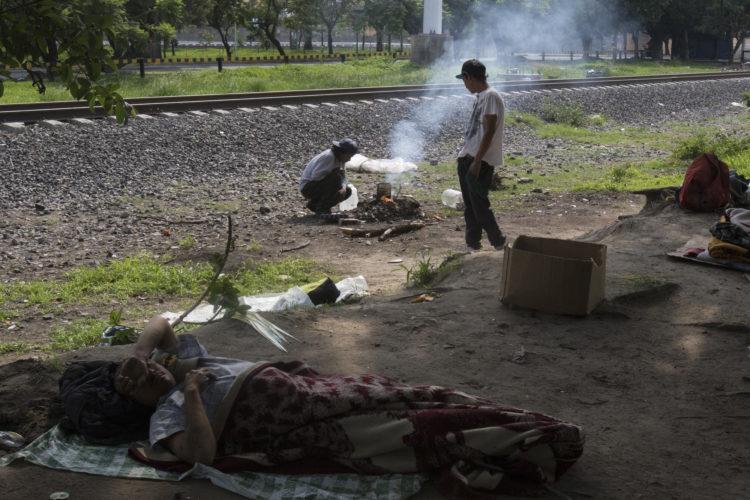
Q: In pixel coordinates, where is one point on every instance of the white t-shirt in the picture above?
(169, 417)
(319, 167)
(488, 102)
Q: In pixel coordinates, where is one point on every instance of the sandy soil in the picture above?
(658, 374)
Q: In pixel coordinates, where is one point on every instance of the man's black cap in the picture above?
(347, 145)
(473, 68)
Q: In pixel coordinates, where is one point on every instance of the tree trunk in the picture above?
(308, 39)
(363, 39)
(636, 54)
(330, 39)
(655, 47)
(225, 41)
(271, 35)
(586, 42)
(51, 58)
(401, 44)
(378, 41)
(685, 52)
(740, 39)
(625, 44)
(356, 41)
(389, 42)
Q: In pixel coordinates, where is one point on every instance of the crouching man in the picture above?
(323, 182)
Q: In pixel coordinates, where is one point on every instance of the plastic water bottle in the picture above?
(351, 202)
(453, 198)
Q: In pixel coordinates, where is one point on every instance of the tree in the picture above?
(731, 18)
(27, 29)
(222, 16)
(391, 16)
(262, 18)
(302, 17)
(329, 12)
(157, 19)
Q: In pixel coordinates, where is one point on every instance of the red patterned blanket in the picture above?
(288, 418)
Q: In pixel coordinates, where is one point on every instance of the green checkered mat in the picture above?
(68, 451)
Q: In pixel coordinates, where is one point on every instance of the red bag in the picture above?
(706, 185)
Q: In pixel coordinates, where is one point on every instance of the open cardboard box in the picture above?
(551, 275)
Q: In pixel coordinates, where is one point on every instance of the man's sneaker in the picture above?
(470, 248)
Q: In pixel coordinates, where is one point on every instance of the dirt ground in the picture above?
(658, 374)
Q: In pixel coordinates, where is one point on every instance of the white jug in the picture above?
(351, 202)
(453, 198)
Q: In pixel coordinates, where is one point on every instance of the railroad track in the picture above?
(68, 110)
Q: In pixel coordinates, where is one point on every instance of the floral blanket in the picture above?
(287, 417)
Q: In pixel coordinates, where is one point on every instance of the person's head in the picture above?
(144, 382)
(344, 149)
(95, 409)
(474, 75)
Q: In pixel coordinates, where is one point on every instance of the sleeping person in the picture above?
(286, 417)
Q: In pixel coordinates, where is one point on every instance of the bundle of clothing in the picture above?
(731, 236)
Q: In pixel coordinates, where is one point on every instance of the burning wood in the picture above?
(382, 233)
(386, 209)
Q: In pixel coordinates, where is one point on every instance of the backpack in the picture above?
(706, 184)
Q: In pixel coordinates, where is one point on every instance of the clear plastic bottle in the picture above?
(351, 202)
(453, 198)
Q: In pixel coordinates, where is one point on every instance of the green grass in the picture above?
(262, 276)
(424, 272)
(372, 71)
(376, 71)
(77, 335)
(6, 347)
(608, 67)
(124, 282)
(580, 133)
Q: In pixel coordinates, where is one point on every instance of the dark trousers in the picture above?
(477, 212)
(325, 193)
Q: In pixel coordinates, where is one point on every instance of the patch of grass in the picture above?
(745, 98)
(634, 177)
(622, 136)
(424, 272)
(740, 162)
(221, 206)
(78, 334)
(254, 246)
(141, 274)
(722, 145)
(188, 242)
(275, 276)
(567, 113)
(18, 347)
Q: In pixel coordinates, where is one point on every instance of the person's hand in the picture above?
(197, 378)
(133, 370)
(474, 168)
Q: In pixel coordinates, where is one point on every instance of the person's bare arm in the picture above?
(489, 125)
(197, 443)
(157, 333)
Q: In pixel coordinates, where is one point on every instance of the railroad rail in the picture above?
(68, 110)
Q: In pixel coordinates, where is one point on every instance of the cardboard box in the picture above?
(551, 275)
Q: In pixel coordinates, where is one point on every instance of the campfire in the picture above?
(387, 207)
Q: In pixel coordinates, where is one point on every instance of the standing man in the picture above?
(323, 181)
(482, 151)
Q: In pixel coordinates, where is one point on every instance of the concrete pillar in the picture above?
(432, 19)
